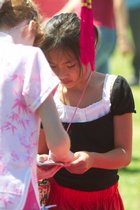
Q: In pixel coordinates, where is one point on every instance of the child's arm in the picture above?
(56, 137)
(121, 155)
(116, 158)
(42, 146)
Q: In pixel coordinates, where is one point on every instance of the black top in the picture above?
(80, 134)
(97, 136)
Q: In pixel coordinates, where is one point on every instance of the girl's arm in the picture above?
(117, 158)
(121, 155)
(42, 146)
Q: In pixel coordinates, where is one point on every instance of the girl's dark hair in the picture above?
(63, 32)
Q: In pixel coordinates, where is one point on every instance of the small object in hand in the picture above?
(44, 190)
(48, 164)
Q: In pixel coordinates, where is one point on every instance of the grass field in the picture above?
(129, 184)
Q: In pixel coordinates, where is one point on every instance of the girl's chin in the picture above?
(67, 84)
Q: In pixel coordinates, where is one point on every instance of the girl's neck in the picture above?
(14, 32)
(70, 96)
(93, 91)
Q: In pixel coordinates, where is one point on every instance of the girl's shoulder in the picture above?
(122, 100)
(117, 90)
(27, 49)
(105, 83)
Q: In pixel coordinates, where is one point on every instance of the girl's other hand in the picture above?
(81, 163)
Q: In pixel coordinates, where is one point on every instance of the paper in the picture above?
(49, 164)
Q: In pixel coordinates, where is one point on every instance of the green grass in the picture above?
(129, 183)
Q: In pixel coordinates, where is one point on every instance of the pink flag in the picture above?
(87, 38)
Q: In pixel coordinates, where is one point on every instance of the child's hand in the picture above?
(46, 169)
(81, 163)
(66, 160)
(42, 158)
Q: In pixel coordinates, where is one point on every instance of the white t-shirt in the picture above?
(26, 80)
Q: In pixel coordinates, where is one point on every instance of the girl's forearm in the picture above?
(115, 159)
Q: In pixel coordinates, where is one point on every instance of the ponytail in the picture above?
(13, 12)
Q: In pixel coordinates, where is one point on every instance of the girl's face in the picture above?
(65, 66)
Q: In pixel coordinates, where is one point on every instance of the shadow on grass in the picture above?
(134, 166)
(130, 170)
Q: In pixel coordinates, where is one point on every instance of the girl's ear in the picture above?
(29, 32)
(29, 28)
(32, 26)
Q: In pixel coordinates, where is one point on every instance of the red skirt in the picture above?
(70, 199)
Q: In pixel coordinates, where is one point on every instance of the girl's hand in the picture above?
(81, 164)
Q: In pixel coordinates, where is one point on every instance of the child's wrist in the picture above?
(64, 159)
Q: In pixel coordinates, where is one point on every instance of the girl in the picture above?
(25, 94)
(96, 110)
